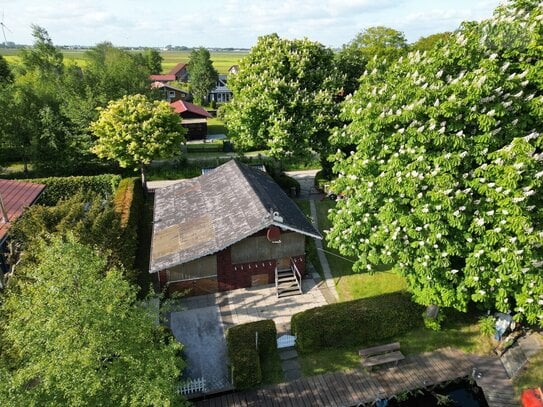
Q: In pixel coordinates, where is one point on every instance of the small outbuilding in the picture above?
(193, 118)
(230, 228)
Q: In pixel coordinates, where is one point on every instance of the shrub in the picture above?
(58, 188)
(321, 181)
(128, 203)
(359, 322)
(487, 325)
(245, 358)
(287, 183)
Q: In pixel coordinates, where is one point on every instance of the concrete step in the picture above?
(288, 353)
(286, 278)
(288, 293)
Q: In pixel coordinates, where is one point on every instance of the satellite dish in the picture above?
(274, 234)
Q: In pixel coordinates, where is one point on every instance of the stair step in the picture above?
(289, 293)
(287, 278)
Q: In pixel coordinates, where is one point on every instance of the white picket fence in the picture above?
(193, 386)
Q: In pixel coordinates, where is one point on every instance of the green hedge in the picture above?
(245, 360)
(359, 322)
(129, 201)
(58, 188)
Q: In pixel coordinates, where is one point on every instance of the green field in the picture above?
(221, 60)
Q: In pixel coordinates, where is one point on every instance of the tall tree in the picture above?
(72, 334)
(113, 73)
(202, 75)
(283, 97)
(134, 131)
(374, 42)
(153, 60)
(43, 56)
(430, 41)
(445, 179)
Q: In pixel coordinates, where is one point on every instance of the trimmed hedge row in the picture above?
(58, 188)
(359, 322)
(128, 203)
(243, 354)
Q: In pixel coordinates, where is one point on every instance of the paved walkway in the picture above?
(328, 279)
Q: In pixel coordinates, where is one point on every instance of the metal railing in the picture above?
(297, 274)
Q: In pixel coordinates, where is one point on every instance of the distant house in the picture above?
(194, 119)
(232, 227)
(15, 196)
(234, 69)
(162, 78)
(221, 93)
(171, 93)
(180, 72)
(177, 73)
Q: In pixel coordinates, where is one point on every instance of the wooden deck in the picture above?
(358, 386)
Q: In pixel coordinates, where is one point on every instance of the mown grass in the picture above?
(460, 330)
(531, 375)
(349, 284)
(460, 334)
(216, 126)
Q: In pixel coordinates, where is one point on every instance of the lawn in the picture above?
(216, 126)
(460, 330)
(531, 375)
(352, 285)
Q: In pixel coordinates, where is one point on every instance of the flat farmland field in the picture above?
(221, 60)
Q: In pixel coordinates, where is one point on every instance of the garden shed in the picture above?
(193, 118)
(232, 227)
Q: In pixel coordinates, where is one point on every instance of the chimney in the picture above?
(3, 212)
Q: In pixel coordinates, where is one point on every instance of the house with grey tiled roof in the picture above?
(232, 227)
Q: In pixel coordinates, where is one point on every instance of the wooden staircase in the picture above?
(288, 281)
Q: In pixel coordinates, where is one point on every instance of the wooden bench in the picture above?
(379, 355)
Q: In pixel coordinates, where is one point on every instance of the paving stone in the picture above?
(513, 360)
(288, 353)
(290, 364)
(292, 374)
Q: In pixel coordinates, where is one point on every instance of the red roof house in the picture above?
(180, 72)
(193, 118)
(162, 78)
(15, 196)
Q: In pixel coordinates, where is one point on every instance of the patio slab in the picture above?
(256, 303)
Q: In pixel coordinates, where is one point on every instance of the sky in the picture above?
(230, 23)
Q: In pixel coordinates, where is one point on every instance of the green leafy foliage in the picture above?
(72, 334)
(441, 169)
(283, 97)
(134, 130)
(487, 325)
(202, 75)
(43, 57)
(6, 76)
(129, 204)
(373, 42)
(359, 322)
(153, 60)
(245, 357)
(58, 188)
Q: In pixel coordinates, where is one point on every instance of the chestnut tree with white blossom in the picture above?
(441, 167)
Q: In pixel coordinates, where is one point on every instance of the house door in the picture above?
(283, 263)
